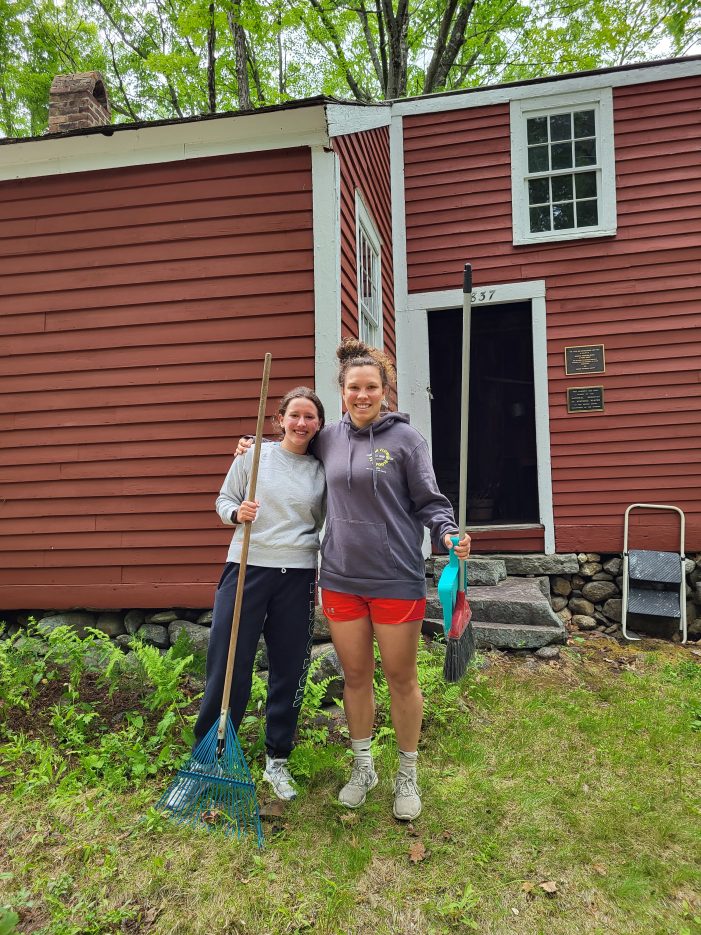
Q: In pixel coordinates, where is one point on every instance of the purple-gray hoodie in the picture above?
(381, 492)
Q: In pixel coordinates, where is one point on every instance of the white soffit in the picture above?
(223, 136)
(482, 97)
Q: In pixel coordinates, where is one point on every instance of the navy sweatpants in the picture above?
(279, 603)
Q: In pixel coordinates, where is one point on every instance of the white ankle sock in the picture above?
(361, 752)
(407, 762)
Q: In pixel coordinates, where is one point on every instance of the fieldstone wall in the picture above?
(584, 591)
(590, 599)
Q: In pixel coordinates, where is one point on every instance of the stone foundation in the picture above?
(584, 591)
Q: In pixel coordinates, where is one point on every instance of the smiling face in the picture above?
(299, 423)
(363, 393)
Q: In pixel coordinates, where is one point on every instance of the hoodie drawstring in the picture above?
(374, 465)
(348, 466)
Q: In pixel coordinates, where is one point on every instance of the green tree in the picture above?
(175, 58)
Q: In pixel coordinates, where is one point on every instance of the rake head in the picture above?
(215, 791)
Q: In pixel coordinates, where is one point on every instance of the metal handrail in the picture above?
(682, 558)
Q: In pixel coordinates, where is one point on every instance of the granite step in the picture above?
(513, 600)
(483, 572)
(505, 635)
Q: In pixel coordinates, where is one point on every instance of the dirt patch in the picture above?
(112, 706)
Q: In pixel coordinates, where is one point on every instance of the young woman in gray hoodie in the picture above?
(381, 493)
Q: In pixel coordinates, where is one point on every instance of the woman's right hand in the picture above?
(243, 446)
(246, 513)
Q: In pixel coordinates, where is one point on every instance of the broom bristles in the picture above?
(460, 642)
(458, 653)
(215, 791)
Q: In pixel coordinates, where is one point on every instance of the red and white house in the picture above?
(145, 269)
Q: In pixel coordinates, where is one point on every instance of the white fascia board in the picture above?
(343, 119)
(283, 129)
(481, 295)
(326, 208)
(504, 95)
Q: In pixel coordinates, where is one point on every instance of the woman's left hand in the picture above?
(462, 549)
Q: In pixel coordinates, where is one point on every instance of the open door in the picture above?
(502, 465)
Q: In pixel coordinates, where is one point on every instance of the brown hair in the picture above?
(354, 353)
(300, 392)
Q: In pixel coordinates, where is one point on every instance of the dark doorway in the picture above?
(502, 476)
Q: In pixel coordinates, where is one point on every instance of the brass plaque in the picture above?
(585, 399)
(587, 358)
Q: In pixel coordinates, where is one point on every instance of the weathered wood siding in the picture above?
(135, 307)
(364, 164)
(637, 293)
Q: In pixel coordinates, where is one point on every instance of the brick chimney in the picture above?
(77, 102)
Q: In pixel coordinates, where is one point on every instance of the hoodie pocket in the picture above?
(357, 550)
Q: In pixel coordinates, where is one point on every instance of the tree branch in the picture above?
(370, 41)
(441, 39)
(211, 62)
(452, 49)
(129, 111)
(340, 57)
(233, 16)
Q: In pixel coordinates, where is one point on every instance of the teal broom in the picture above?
(214, 788)
(452, 585)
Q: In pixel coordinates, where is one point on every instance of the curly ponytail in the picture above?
(354, 353)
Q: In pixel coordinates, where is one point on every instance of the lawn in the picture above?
(560, 797)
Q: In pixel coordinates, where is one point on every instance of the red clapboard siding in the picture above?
(136, 306)
(364, 165)
(637, 293)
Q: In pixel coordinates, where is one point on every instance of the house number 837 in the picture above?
(486, 295)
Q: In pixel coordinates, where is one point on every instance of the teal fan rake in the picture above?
(214, 789)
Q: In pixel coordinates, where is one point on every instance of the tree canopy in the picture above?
(173, 58)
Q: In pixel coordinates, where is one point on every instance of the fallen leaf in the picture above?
(417, 852)
(151, 915)
(411, 831)
(528, 887)
(695, 652)
(600, 869)
(212, 816)
(271, 810)
(515, 911)
(447, 835)
(549, 887)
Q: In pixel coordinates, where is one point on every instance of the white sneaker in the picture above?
(407, 797)
(363, 779)
(183, 793)
(280, 778)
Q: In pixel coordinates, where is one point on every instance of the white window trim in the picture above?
(602, 100)
(365, 223)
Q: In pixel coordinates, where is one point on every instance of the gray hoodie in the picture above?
(381, 492)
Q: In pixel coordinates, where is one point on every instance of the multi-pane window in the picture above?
(368, 247)
(562, 178)
(563, 175)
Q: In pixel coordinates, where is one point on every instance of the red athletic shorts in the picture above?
(343, 607)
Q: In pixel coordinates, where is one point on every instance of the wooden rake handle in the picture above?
(236, 619)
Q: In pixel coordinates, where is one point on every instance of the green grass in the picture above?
(582, 773)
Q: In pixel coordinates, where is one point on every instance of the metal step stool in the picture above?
(653, 582)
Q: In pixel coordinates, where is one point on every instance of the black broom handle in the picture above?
(464, 409)
(244, 552)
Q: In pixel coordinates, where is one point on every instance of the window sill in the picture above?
(562, 237)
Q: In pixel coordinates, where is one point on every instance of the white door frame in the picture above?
(413, 376)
